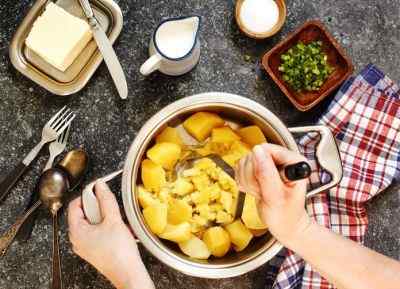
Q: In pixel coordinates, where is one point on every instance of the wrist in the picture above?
(297, 236)
(133, 276)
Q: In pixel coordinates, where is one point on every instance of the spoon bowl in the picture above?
(53, 185)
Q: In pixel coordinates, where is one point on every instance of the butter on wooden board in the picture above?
(58, 37)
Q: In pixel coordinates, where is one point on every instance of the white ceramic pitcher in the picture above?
(174, 48)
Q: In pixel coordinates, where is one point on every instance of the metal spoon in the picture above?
(75, 163)
(52, 188)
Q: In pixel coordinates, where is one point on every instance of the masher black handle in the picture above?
(295, 172)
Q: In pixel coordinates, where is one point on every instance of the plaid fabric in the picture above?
(365, 119)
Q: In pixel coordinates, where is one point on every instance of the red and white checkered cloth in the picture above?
(365, 119)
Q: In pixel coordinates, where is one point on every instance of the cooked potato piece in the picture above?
(182, 187)
(200, 197)
(171, 135)
(178, 212)
(223, 135)
(195, 248)
(223, 217)
(200, 124)
(250, 215)
(145, 197)
(153, 176)
(201, 181)
(217, 241)
(156, 217)
(258, 233)
(176, 233)
(205, 211)
(226, 200)
(164, 195)
(239, 234)
(252, 135)
(238, 150)
(165, 154)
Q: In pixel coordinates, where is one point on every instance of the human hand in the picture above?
(108, 246)
(282, 205)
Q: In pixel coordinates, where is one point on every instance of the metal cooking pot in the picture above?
(245, 111)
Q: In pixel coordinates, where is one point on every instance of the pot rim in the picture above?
(130, 171)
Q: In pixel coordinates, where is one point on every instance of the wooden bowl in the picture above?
(308, 32)
(281, 20)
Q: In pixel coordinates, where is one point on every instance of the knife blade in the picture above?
(106, 49)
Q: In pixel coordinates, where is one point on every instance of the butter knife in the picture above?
(106, 49)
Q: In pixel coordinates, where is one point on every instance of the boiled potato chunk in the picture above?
(195, 248)
(252, 135)
(239, 234)
(258, 233)
(223, 217)
(217, 241)
(237, 151)
(153, 176)
(226, 199)
(179, 212)
(165, 154)
(182, 187)
(156, 217)
(171, 135)
(177, 233)
(223, 135)
(200, 124)
(145, 198)
(250, 215)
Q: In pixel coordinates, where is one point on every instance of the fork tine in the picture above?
(60, 138)
(65, 134)
(54, 117)
(66, 122)
(62, 121)
(60, 118)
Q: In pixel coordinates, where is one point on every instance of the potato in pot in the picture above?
(196, 207)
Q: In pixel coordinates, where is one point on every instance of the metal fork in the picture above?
(53, 128)
(55, 148)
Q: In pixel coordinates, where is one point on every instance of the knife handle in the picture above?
(9, 180)
(87, 9)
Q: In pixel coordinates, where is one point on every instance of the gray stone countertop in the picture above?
(369, 30)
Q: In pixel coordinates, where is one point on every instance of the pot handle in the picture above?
(327, 155)
(90, 204)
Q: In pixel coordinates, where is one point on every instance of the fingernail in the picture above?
(258, 151)
(101, 185)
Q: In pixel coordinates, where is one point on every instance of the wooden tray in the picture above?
(308, 32)
(78, 74)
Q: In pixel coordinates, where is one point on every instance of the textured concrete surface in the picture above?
(368, 29)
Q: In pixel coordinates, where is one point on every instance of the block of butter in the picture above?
(58, 37)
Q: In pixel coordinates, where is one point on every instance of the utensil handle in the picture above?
(10, 179)
(56, 282)
(8, 237)
(26, 229)
(87, 9)
(295, 172)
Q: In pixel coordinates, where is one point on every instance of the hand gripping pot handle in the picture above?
(327, 155)
(90, 203)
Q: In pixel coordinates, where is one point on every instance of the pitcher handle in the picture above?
(152, 64)
(327, 155)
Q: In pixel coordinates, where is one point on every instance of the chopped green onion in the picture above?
(305, 66)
